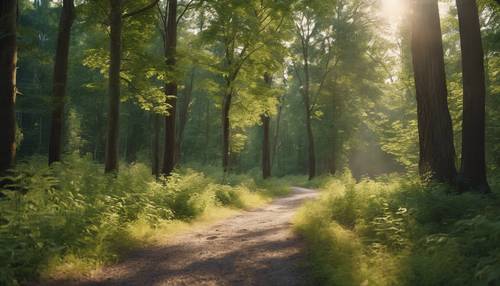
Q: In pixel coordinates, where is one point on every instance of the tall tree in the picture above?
(156, 144)
(473, 167)
(266, 146)
(8, 61)
(183, 114)
(314, 48)
(60, 79)
(116, 17)
(242, 32)
(170, 50)
(437, 151)
(114, 85)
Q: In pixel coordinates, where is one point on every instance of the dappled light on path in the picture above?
(254, 248)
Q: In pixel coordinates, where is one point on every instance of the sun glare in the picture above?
(393, 10)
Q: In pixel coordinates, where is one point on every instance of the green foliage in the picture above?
(73, 210)
(397, 231)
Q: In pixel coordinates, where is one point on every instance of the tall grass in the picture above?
(397, 231)
(70, 218)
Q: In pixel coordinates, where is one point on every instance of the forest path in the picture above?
(256, 247)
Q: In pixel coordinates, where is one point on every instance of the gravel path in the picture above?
(254, 248)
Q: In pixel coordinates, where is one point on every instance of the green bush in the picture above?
(402, 232)
(73, 212)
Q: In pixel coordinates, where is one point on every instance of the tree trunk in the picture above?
(156, 145)
(437, 151)
(310, 143)
(8, 61)
(266, 150)
(333, 161)
(60, 80)
(277, 132)
(473, 169)
(266, 147)
(112, 143)
(207, 131)
(184, 115)
(307, 104)
(226, 128)
(170, 30)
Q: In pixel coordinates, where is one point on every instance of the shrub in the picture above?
(404, 233)
(72, 217)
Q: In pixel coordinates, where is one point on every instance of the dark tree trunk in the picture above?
(310, 143)
(207, 131)
(276, 133)
(473, 169)
(60, 80)
(266, 146)
(266, 150)
(226, 128)
(306, 94)
(170, 36)
(332, 162)
(112, 143)
(8, 61)
(183, 112)
(310, 135)
(437, 151)
(156, 145)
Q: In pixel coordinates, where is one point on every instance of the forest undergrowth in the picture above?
(398, 231)
(69, 219)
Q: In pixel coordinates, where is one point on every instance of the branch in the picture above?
(186, 8)
(141, 10)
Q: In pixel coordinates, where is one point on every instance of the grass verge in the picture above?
(398, 231)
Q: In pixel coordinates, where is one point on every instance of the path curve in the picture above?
(253, 248)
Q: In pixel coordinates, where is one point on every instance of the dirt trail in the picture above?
(254, 248)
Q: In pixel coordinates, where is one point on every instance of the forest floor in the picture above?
(256, 247)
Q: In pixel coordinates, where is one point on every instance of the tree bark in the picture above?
(170, 36)
(183, 117)
(226, 128)
(156, 145)
(307, 104)
(437, 151)
(310, 143)
(8, 62)
(266, 150)
(60, 80)
(207, 131)
(266, 147)
(112, 144)
(473, 169)
(277, 132)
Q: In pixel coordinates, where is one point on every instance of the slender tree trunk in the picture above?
(170, 30)
(183, 112)
(112, 143)
(437, 151)
(226, 128)
(307, 104)
(310, 143)
(473, 169)
(156, 145)
(8, 61)
(332, 162)
(266, 147)
(207, 130)
(60, 80)
(276, 133)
